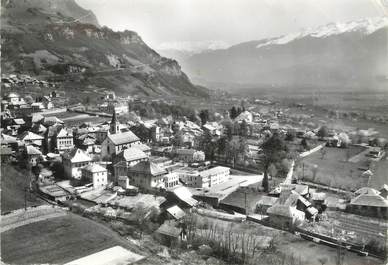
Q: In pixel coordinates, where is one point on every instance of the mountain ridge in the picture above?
(357, 58)
(55, 43)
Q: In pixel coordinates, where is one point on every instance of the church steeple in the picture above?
(114, 124)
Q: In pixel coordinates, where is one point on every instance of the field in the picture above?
(56, 240)
(333, 169)
(13, 182)
(380, 174)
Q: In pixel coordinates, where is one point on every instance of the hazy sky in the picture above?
(164, 23)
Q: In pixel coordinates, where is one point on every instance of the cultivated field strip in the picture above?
(32, 215)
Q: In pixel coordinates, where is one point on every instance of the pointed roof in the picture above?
(64, 133)
(367, 190)
(39, 128)
(48, 121)
(19, 121)
(94, 168)
(77, 155)
(132, 153)
(31, 150)
(30, 136)
(123, 138)
(148, 168)
(7, 139)
(370, 200)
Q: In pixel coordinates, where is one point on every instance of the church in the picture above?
(117, 141)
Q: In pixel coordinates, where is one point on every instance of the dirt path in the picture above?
(32, 215)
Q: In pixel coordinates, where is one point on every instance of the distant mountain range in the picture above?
(350, 55)
(57, 39)
(182, 50)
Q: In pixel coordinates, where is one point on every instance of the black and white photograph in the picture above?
(194, 132)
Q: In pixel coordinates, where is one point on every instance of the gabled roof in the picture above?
(76, 155)
(367, 190)
(121, 164)
(31, 150)
(94, 168)
(51, 120)
(148, 168)
(176, 212)
(132, 154)
(143, 147)
(39, 128)
(123, 138)
(89, 141)
(169, 230)
(184, 195)
(7, 139)
(213, 171)
(373, 200)
(64, 133)
(30, 136)
(13, 95)
(19, 121)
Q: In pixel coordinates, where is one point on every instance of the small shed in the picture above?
(176, 212)
(169, 233)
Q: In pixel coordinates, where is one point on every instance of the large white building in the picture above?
(204, 178)
(64, 140)
(73, 161)
(97, 174)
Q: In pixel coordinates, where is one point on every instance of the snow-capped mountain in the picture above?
(365, 26)
(182, 50)
(338, 55)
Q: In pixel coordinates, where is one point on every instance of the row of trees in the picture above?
(158, 109)
(235, 247)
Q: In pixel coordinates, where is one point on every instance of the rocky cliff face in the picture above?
(58, 39)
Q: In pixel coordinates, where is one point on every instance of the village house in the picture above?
(73, 161)
(14, 100)
(368, 202)
(131, 156)
(64, 140)
(147, 175)
(30, 138)
(285, 216)
(189, 155)
(33, 155)
(95, 174)
(9, 141)
(171, 180)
